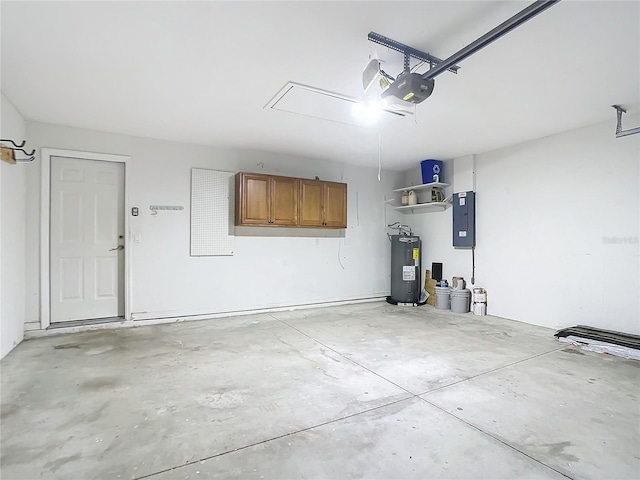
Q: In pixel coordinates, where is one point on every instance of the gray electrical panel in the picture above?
(405, 268)
(464, 219)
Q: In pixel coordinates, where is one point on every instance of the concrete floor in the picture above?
(360, 391)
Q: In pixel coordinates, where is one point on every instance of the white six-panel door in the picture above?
(86, 239)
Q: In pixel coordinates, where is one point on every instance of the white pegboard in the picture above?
(211, 213)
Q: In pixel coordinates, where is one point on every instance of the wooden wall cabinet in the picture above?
(266, 200)
(323, 204)
(335, 204)
(269, 200)
(311, 203)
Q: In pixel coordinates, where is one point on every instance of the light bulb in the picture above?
(367, 112)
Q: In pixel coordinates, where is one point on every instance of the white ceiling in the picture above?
(201, 72)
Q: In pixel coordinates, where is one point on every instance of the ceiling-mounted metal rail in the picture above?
(491, 36)
(619, 131)
(408, 51)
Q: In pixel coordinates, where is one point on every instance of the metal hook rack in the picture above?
(154, 208)
(8, 149)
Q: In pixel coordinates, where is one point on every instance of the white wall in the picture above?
(266, 271)
(557, 229)
(13, 196)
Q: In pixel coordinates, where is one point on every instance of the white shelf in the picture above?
(424, 186)
(424, 207)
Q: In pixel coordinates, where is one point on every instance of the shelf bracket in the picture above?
(619, 131)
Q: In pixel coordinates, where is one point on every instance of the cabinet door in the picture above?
(284, 201)
(335, 205)
(311, 203)
(254, 199)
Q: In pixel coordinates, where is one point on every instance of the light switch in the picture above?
(136, 238)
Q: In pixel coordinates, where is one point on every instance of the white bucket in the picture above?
(460, 300)
(479, 301)
(479, 308)
(442, 298)
(479, 295)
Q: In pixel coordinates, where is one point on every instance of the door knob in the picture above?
(119, 247)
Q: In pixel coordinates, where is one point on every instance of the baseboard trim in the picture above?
(143, 318)
(139, 322)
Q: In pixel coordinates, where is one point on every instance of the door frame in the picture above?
(45, 225)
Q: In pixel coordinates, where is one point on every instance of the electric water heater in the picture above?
(405, 268)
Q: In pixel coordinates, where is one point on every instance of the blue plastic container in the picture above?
(431, 168)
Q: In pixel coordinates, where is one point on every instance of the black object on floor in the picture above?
(618, 338)
(392, 301)
(436, 271)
